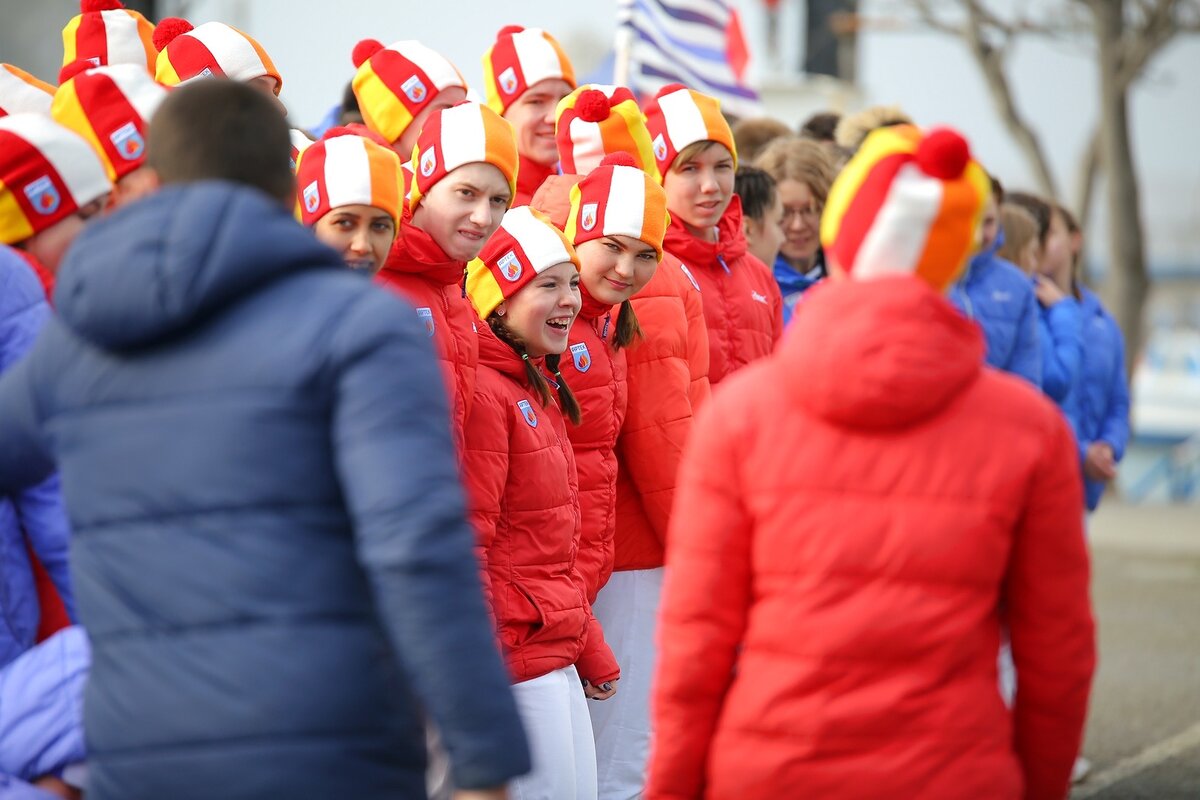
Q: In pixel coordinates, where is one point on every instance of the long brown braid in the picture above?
(537, 381)
(628, 328)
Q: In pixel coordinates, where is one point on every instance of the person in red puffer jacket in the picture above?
(860, 517)
(454, 206)
(697, 157)
(519, 470)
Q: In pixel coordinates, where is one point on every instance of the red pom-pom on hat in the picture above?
(74, 68)
(169, 30)
(592, 106)
(364, 50)
(943, 153)
(618, 158)
(509, 30)
(668, 89)
(90, 6)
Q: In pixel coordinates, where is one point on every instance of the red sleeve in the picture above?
(485, 474)
(1050, 621)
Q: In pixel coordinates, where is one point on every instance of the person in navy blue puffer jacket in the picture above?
(271, 552)
(33, 518)
(999, 297)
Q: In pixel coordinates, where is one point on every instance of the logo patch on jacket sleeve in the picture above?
(426, 316)
(508, 80)
(510, 266)
(312, 197)
(581, 356)
(414, 89)
(43, 195)
(526, 410)
(128, 142)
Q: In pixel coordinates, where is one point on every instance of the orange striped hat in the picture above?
(519, 58)
(395, 83)
(110, 107)
(465, 134)
(108, 33)
(47, 173)
(344, 169)
(594, 121)
(678, 117)
(20, 92)
(212, 50)
(618, 199)
(908, 202)
(524, 246)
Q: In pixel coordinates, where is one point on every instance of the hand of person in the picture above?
(601, 692)
(481, 794)
(1099, 463)
(1047, 291)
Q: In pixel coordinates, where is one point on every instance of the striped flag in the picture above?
(698, 43)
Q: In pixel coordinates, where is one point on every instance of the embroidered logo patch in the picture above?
(510, 266)
(527, 412)
(508, 80)
(587, 216)
(583, 359)
(690, 276)
(660, 147)
(414, 89)
(426, 316)
(428, 162)
(312, 197)
(759, 298)
(43, 195)
(128, 142)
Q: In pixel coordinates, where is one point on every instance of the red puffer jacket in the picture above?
(530, 176)
(742, 304)
(858, 518)
(421, 273)
(520, 475)
(668, 382)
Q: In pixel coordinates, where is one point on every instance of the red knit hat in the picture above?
(465, 134)
(395, 83)
(214, 49)
(345, 169)
(519, 58)
(107, 33)
(678, 117)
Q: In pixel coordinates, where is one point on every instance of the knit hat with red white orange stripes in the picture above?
(519, 58)
(344, 169)
(213, 49)
(22, 93)
(594, 121)
(618, 199)
(107, 33)
(907, 203)
(525, 245)
(47, 173)
(395, 83)
(110, 107)
(678, 117)
(465, 134)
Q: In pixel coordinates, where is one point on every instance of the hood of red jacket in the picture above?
(877, 354)
(416, 252)
(730, 244)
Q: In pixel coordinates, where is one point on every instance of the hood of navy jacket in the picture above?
(164, 263)
(900, 353)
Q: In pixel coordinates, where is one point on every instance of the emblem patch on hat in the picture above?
(426, 316)
(414, 89)
(312, 197)
(43, 195)
(527, 412)
(583, 359)
(510, 266)
(94, 61)
(428, 162)
(660, 147)
(128, 141)
(508, 80)
(587, 216)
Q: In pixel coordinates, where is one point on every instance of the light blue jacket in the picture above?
(1061, 329)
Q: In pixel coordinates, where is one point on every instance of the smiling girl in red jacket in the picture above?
(520, 474)
(464, 178)
(696, 155)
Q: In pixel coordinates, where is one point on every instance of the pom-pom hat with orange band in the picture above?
(105, 33)
(468, 133)
(594, 121)
(394, 84)
(677, 117)
(21, 93)
(525, 245)
(518, 59)
(618, 199)
(344, 169)
(213, 49)
(908, 202)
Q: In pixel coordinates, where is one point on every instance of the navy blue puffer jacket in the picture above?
(271, 554)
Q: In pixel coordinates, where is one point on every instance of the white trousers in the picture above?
(627, 608)
(554, 711)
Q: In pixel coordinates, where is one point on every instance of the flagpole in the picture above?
(623, 43)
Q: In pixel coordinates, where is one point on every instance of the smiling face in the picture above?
(614, 268)
(362, 234)
(699, 187)
(801, 223)
(532, 117)
(541, 313)
(463, 209)
(446, 98)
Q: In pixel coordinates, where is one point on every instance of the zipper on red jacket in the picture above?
(604, 332)
(721, 261)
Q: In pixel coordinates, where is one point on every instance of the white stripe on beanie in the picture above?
(901, 228)
(537, 57)
(625, 211)
(685, 123)
(122, 39)
(347, 172)
(543, 247)
(237, 57)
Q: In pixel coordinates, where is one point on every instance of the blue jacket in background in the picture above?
(1000, 299)
(271, 552)
(1098, 403)
(1061, 340)
(34, 514)
(792, 284)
